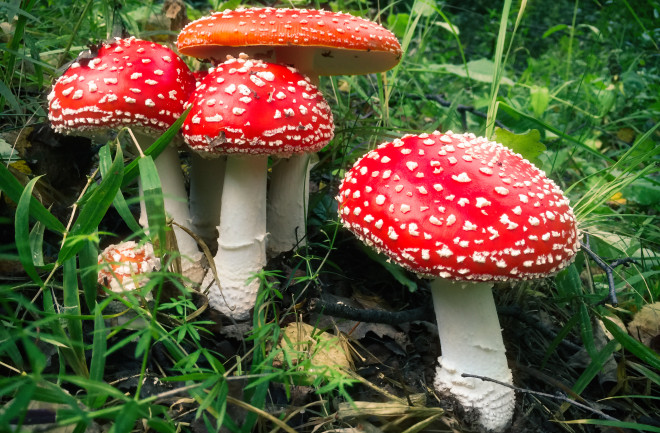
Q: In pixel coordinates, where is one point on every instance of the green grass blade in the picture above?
(126, 418)
(633, 346)
(88, 260)
(105, 161)
(94, 208)
(17, 407)
(619, 424)
(22, 233)
(154, 203)
(155, 149)
(499, 65)
(37, 243)
(71, 300)
(97, 364)
(594, 367)
(9, 348)
(13, 188)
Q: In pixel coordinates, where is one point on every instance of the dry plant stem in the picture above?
(471, 342)
(287, 203)
(206, 180)
(242, 235)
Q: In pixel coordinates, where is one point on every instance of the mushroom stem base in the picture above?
(242, 242)
(471, 342)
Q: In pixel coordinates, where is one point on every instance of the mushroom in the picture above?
(316, 42)
(135, 83)
(124, 267)
(247, 110)
(466, 212)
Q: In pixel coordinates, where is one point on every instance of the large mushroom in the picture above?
(316, 42)
(134, 83)
(466, 212)
(248, 109)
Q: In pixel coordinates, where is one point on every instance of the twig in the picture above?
(607, 268)
(559, 396)
(338, 309)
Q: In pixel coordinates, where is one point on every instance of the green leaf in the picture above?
(528, 144)
(155, 149)
(37, 243)
(94, 209)
(22, 233)
(15, 409)
(554, 29)
(482, 70)
(612, 423)
(596, 365)
(13, 188)
(154, 203)
(88, 261)
(633, 346)
(97, 364)
(539, 99)
(125, 420)
(71, 300)
(105, 161)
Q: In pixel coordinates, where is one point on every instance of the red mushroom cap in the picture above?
(129, 82)
(459, 207)
(339, 43)
(123, 267)
(249, 106)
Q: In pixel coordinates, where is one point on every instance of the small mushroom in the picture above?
(125, 266)
(466, 212)
(248, 109)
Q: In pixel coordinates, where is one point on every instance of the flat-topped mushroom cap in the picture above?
(249, 106)
(129, 82)
(460, 207)
(337, 43)
(125, 266)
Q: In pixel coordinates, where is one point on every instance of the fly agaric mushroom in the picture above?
(467, 212)
(124, 267)
(247, 110)
(316, 42)
(134, 83)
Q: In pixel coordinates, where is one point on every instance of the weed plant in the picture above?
(573, 86)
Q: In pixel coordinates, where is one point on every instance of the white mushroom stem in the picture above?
(471, 342)
(206, 180)
(242, 235)
(176, 203)
(288, 199)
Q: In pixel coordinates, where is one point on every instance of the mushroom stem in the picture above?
(206, 179)
(288, 199)
(176, 203)
(242, 235)
(471, 342)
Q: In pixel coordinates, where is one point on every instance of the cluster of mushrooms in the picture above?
(457, 208)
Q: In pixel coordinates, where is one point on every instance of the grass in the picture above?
(576, 86)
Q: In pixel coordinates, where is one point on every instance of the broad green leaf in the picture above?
(94, 209)
(15, 409)
(105, 161)
(125, 420)
(528, 144)
(13, 188)
(22, 233)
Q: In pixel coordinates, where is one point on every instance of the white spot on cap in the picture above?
(501, 190)
(482, 202)
(463, 178)
(412, 165)
(380, 199)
